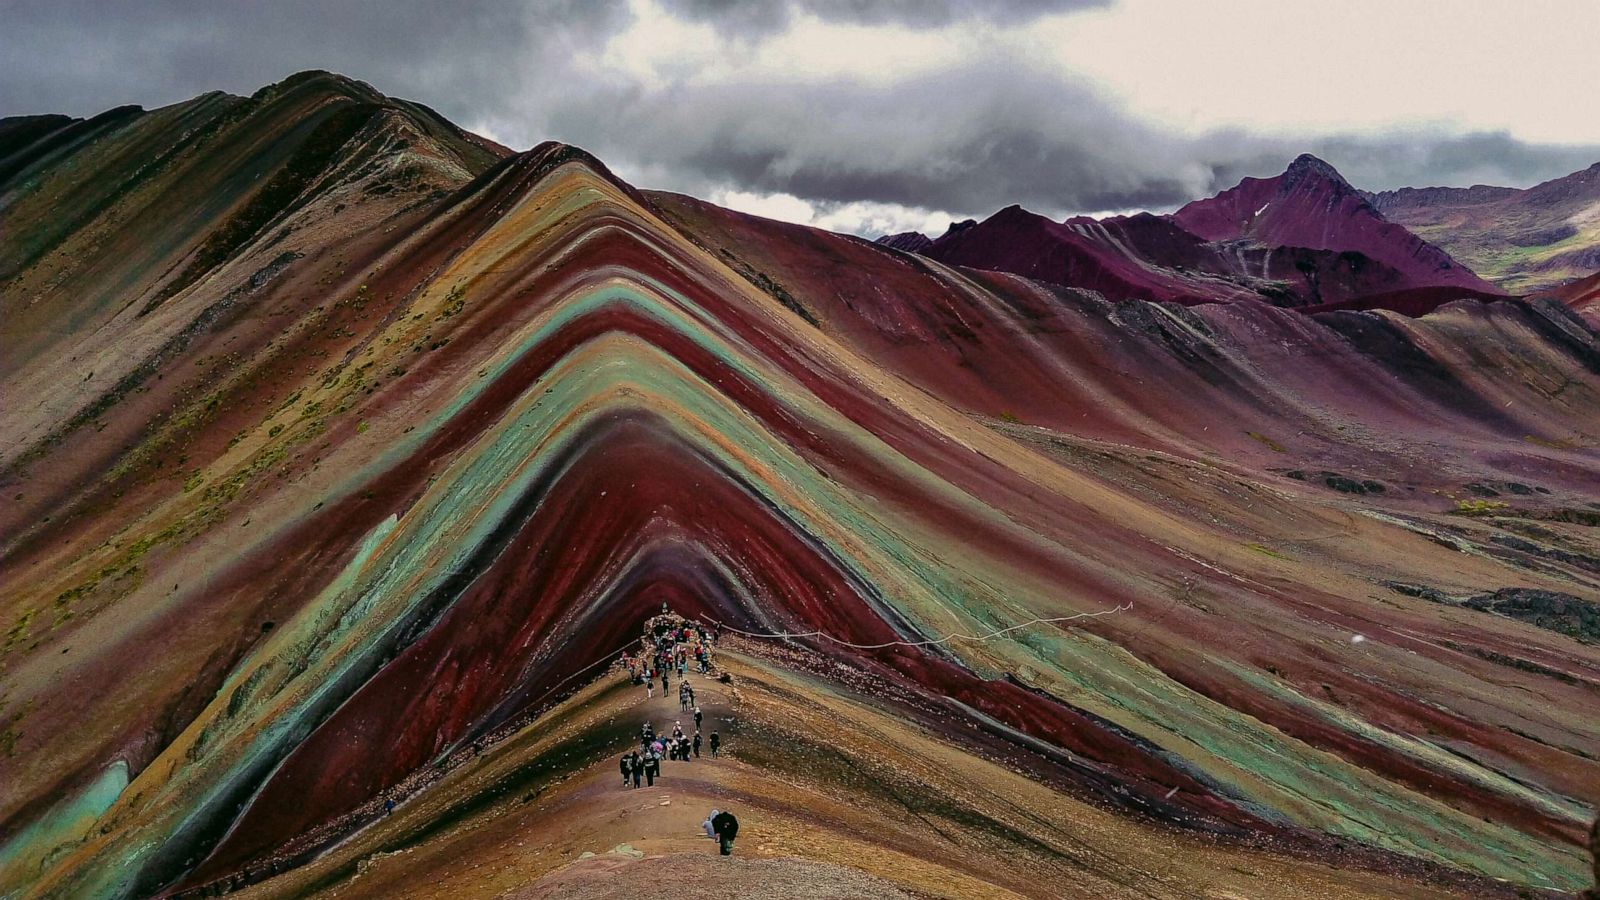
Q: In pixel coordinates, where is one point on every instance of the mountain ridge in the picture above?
(1527, 239)
(1224, 249)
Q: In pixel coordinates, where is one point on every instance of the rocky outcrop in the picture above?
(909, 241)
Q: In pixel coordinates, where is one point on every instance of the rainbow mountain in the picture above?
(343, 450)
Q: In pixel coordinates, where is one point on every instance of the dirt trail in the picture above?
(620, 875)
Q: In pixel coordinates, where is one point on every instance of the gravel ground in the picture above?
(706, 877)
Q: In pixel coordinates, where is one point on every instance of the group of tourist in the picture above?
(645, 763)
(671, 644)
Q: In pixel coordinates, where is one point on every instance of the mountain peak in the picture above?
(1312, 206)
(1306, 166)
(1014, 215)
(958, 227)
(908, 241)
(321, 81)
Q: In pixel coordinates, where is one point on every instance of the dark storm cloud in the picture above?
(981, 136)
(965, 139)
(759, 17)
(83, 56)
(1425, 159)
(968, 138)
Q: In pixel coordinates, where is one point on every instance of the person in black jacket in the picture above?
(697, 744)
(627, 769)
(726, 828)
(637, 765)
(652, 768)
(716, 742)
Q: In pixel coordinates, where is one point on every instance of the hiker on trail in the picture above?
(697, 744)
(697, 716)
(683, 748)
(652, 768)
(637, 765)
(677, 730)
(388, 805)
(664, 684)
(649, 689)
(691, 697)
(716, 742)
(627, 769)
(726, 828)
(706, 825)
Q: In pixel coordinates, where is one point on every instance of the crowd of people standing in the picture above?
(644, 764)
(670, 646)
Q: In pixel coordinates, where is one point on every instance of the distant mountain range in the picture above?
(1305, 239)
(1526, 241)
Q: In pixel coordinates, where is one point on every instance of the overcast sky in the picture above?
(885, 115)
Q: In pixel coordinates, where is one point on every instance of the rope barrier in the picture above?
(608, 658)
(1124, 607)
(782, 635)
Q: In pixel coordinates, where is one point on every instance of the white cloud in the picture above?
(812, 49)
(1271, 66)
(657, 50)
(877, 219)
(856, 217)
(783, 207)
(1280, 67)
